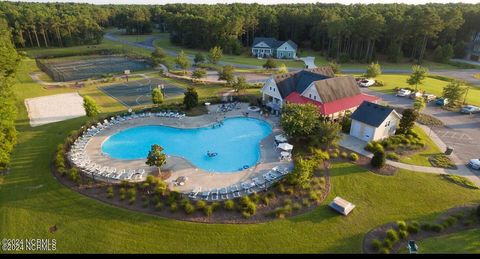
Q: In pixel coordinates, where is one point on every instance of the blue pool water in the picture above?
(236, 142)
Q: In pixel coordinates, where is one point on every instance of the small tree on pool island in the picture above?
(190, 99)
(91, 108)
(157, 96)
(156, 157)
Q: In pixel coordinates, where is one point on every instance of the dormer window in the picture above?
(310, 96)
(314, 97)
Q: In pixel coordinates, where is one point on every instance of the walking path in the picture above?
(357, 145)
(309, 62)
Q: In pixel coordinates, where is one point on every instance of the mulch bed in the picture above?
(364, 162)
(98, 191)
(379, 232)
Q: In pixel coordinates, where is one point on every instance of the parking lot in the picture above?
(460, 131)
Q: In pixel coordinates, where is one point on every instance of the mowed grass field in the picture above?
(462, 242)
(430, 85)
(31, 201)
(164, 42)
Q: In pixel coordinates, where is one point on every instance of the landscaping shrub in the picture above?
(393, 156)
(74, 176)
(189, 208)
(450, 221)
(173, 197)
(376, 244)
(436, 227)
(378, 159)
(288, 209)
(459, 215)
(379, 83)
(306, 202)
(291, 190)
(132, 200)
(132, 192)
(344, 154)
(255, 198)
(281, 188)
(384, 251)
(287, 202)
(159, 206)
(468, 222)
(201, 204)
(403, 234)
(270, 194)
(173, 206)
(442, 161)
(297, 206)
(228, 204)
(412, 229)
(266, 200)
(353, 157)
(401, 225)
(392, 235)
(215, 205)
(246, 214)
(279, 212)
(110, 192)
(426, 226)
(251, 208)
(145, 204)
(313, 196)
(333, 155)
(387, 243)
(459, 180)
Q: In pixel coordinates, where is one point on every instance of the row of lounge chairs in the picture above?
(227, 107)
(254, 185)
(79, 158)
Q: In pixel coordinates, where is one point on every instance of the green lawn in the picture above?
(86, 49)
(421, 158)
(164, 43)
(31, 200)
(431, 85)
(462, 242)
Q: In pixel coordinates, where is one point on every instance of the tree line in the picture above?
(8, 67)
(343, 32)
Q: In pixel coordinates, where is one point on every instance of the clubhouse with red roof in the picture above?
(318, 86)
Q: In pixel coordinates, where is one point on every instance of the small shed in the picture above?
(342, 206)
(372, 121)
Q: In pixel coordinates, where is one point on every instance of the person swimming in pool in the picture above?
(211, 154)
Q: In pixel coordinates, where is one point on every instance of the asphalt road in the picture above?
(460, 131)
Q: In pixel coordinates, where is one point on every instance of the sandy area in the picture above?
(53, 108)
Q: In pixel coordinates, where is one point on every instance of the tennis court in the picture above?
(80, 67)
(140, 92)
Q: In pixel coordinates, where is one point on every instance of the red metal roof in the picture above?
(332, 107)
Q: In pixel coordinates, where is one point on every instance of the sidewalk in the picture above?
(357, 146)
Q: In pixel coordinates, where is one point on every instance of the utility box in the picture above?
(449, 151)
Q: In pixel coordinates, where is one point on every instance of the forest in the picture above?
(342, 32)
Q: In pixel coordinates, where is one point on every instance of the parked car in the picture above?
(469, 109)
(415, 95)
(474, 163)
(366, 82)
(441, 101)
(403, 92)
(429, 97)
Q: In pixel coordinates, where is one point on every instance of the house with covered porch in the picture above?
(272, 48)
(318, 86)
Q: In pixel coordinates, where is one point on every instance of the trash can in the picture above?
(449, 151)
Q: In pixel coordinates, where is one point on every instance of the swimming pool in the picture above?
(236, 143)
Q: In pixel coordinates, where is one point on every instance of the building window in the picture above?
(314, 97)
(310, 96)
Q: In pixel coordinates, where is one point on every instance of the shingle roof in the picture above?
(336, 88)
(272, 42)
(299, 81)
(371, 113)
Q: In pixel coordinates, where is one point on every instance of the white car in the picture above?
(366, 82)
(474, 163)
(404, 92)
(470, 109)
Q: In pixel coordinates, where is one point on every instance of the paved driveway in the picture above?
(461, 131)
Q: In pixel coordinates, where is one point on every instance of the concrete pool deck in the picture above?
(178, 166)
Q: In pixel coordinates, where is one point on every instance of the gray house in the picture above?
(270, 47)
(473, 52)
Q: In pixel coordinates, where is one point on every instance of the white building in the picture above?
(372, 121)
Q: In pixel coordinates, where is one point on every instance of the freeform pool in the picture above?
(236, 143)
